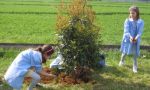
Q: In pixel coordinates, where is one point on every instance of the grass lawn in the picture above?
(27, 28)
(33, 21)
(24, 21)
(111, 77)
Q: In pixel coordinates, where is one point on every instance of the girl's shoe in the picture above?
(134, 69)
(121, 63)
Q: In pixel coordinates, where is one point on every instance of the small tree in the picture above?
(79, 35)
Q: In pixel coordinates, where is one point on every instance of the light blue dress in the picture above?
(134, 29)
(19, 67)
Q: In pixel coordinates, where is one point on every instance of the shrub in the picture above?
(79, 35)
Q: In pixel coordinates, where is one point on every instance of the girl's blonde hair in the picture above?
(135, 9)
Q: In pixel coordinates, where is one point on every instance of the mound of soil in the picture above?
(79, 75)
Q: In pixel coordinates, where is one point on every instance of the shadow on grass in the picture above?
(4, 86)
(119, 86)
(105, 83)
(42, 88)
(2, 54)
(113, 71)
(109, 83)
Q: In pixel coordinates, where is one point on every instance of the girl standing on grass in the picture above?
(133, 28)
(28, 63)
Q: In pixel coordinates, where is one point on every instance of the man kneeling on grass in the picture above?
(28, 64)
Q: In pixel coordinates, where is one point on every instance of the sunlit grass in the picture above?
(27, 28)
(111, 77)
(34, 21)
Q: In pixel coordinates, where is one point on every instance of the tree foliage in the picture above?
(79, 35)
